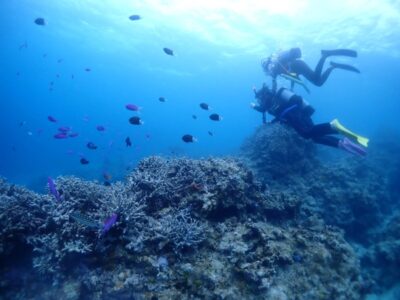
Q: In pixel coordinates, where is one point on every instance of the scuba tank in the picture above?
(285, 100)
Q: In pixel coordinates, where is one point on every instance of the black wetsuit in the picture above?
(291, 109)
(290, 62)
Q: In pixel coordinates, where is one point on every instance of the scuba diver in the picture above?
(289, 65)
(291, 109)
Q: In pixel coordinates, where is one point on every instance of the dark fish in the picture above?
(85, 220)
(107, 176)
(204, 106)
(132, 107)
(194, 117)
(162, 99)
(100, 128)
(52, 119)
(107, 183)
(64, 129)
(187, 138)
(44, 55)
(91, 146)
(88, 69)
(84, 161)
(60, 60)
(135, 121)
(40, 22)
(23, 46)
(210, 133)
(22, 123)
(215, 117)
(128, 142)
(53, 189)
(135, 17)
(61, 135)
(72, 76)
(168, 51)
(109, 222)
(73, 134)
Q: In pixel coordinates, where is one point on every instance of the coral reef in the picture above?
(358, 195)
(185, 229)
(276, 152)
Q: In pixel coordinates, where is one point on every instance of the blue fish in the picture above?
(53, 189)
(135, 17)
(109, 222)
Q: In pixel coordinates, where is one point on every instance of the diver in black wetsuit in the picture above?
(289, 108)
(289, 63)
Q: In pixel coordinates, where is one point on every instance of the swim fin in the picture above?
(342, 52)
(343, 130)
(351, 147)
(345, 67)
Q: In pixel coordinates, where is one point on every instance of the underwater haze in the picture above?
(133, 165)
(218, 48)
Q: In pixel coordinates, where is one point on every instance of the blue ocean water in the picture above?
(90, 60)
(218, 49)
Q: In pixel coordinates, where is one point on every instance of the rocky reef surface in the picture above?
(359, 195)
(186, 229)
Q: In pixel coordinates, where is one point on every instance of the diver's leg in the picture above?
(301, 68)
(321, 130)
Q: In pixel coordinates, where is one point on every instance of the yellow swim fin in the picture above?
(292, 77)
(343, 130)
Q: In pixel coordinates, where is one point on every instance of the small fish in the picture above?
(51, 83)
(135, 121)
(132, 107)
(148, 136)
(60, 60)
(73, 134)
(100, 128)
(84, 161)
(210, 133)
(107, 183)
(88, 69)
(162, 99)
(128, 142)
(61, 135)
(168, 51)
(188, 138)
(91, 146)
(107, 176)
(53, 189)
(29, 133)
(64, 129)
(135, 17)
(194, 117)
(85, 118)
(72, 76)
(85, 220)
(215, 117)
(23, 46)
(40, 21)
(205, 106)
(109, 222)
(22, 123)
(44, 55)
(58, 75)
(52, 119)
